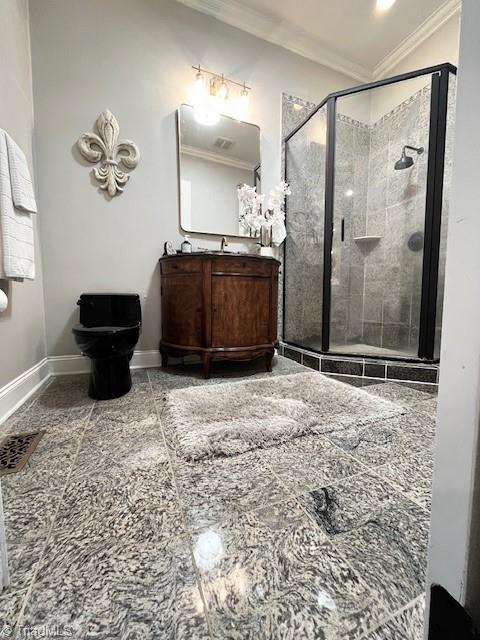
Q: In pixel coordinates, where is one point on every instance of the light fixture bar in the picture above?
(221, 76)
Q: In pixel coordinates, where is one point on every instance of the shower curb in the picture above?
(362, 367)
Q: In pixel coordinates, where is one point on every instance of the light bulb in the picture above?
(223, 90)
(199, 79)
(199, 88)
(384, 5)
(243, 104)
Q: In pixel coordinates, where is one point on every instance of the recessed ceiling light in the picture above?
(384, 5)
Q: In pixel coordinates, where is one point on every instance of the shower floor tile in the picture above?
(112, 535)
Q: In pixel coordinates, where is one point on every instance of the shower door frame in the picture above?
(433, 208)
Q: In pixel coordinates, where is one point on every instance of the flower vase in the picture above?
(266, 248)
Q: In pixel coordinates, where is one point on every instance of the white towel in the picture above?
(17, 259)
(22, 187)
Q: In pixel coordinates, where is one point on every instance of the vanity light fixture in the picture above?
(219, 98)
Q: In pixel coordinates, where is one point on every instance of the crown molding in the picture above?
(216, 157)
(234, 13)
(415, 39)
(247, 19)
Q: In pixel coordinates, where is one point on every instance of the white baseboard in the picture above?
(146, 359)
(69, 365)
(16, 392)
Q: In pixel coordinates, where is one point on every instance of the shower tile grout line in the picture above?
(52, 524)
(188, 532)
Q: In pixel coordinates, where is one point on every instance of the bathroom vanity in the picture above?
(220, 306)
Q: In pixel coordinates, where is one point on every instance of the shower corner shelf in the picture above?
(367, 239)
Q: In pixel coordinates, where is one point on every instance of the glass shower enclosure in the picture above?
(364, 257)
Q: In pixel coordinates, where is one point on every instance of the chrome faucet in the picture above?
(223, 244)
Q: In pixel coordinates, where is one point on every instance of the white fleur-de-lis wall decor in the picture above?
(106, 149)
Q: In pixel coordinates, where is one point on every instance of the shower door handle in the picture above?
(342, 231)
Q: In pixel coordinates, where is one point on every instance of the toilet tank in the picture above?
(110, 309)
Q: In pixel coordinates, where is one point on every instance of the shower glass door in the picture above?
(305, 160)
(380, 185)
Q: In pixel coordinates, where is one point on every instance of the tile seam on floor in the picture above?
(289, 495)
(52, 525)
(401, 491)
(330, 540)
(288, 492)
(391, 616)
(391, 483)
(182, 512)
(370, 589)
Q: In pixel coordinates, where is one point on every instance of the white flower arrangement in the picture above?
(270, 223)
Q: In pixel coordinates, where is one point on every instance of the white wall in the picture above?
(134, 58)
(455, 543)
(22, 329)
(440, 47)
(213, 195)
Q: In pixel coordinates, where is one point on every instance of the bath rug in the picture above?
(15, 451)
(231, 418)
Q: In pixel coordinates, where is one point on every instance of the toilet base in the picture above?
(110, 377)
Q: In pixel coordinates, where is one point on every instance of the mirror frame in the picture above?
(179, 193)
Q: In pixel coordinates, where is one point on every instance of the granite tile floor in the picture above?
(112, 535)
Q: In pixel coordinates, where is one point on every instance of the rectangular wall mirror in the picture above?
(213, 160)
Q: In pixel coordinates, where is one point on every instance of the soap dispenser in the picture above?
(186, 246)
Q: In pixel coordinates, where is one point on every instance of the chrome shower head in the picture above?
(407, 161)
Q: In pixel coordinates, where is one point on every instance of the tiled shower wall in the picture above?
(306, 209)
(376, 285)
(395, 210)
(350, 205)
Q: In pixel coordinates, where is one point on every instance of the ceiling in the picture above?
(198, 139)
(346, 35)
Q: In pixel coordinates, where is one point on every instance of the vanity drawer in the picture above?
(181, 265)
(247, 266)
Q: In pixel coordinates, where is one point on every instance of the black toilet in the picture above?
(108, 332)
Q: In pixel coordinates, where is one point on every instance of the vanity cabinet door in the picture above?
(182, 307)
(240, 310)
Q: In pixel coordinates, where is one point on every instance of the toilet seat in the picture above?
(81, 330)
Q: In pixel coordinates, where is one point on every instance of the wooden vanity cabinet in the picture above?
(220, 306)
